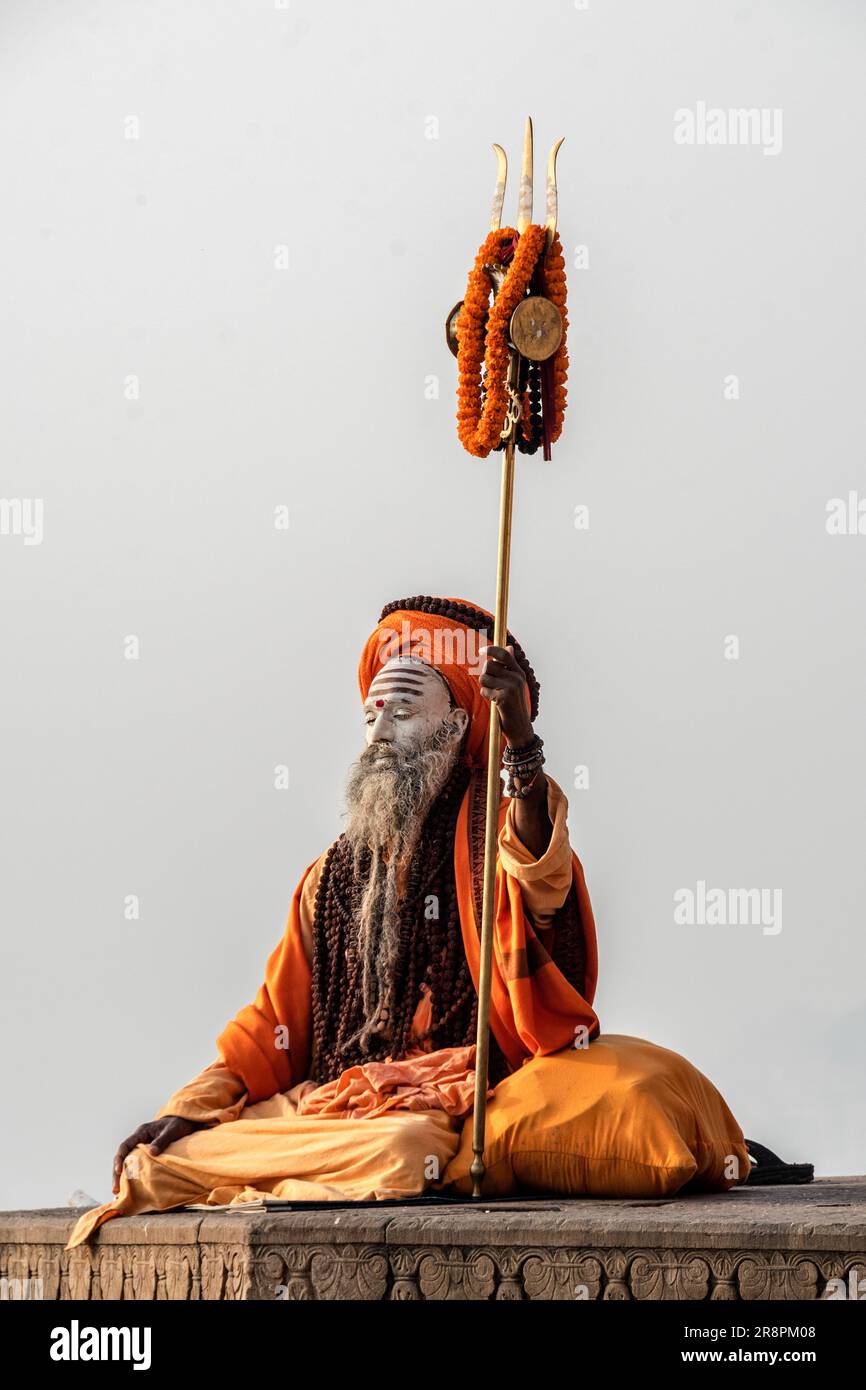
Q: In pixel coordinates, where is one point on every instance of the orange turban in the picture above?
(433, 631)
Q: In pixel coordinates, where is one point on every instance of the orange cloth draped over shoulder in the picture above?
(534, 1011)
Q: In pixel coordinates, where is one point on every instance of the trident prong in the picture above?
(499, 195)
(524, 197)
(496, 271)
(552, 201)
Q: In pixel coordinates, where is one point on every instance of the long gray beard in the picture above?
(389, 794)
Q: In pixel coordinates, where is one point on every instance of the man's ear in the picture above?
(460, 717)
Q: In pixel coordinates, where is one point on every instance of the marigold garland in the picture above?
(479, 425)
(482, 333)
(553, 272)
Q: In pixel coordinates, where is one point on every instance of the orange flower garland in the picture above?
(483, 336)
(554, 288)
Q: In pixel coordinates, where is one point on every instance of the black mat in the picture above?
(424, 1199)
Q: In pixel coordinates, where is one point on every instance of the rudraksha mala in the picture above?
(430, 951)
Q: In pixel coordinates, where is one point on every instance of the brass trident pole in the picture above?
(494, 792)
(535, 333)
(500, 634)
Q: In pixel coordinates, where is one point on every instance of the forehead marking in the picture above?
(401, 663)
(406, 676)
(397, 680)
(398, 673)
(392, 690)
(390, 681)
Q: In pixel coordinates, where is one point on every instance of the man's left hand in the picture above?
(503, 682)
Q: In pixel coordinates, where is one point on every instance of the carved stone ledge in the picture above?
(440, 1272)
(782, 1243)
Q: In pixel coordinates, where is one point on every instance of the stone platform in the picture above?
(763, 1243)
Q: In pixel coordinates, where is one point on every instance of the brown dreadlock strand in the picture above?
(430, 951)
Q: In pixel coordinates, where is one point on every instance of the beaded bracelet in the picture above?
(512, 790)
(512, 756)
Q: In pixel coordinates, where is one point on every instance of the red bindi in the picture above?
(380, 704)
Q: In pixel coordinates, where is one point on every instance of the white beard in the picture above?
(389, 794)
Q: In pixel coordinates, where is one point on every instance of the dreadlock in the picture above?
(430, 949)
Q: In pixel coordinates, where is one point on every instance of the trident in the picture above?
(535, 332)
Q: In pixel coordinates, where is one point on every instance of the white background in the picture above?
(308, 127)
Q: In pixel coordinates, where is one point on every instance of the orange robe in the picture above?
(258, 1094)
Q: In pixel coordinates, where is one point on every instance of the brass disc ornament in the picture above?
(451, 328)
(536, 328)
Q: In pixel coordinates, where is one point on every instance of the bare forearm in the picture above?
(531, 820)
(503, 682)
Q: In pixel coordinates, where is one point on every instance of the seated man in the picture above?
(351, 1074)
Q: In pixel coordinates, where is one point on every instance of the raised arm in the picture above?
(503, 682)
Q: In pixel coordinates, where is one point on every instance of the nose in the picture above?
(380, 730)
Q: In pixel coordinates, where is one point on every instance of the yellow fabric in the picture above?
(621, 1117)
(216, 1096)
(273, 1151)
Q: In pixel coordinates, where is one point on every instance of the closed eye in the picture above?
(372, 715)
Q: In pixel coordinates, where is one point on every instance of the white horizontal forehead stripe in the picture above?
(394, 694)
(412, 675)
(385, 674)
(408, 663)
(391, 682)
(379, 686)
(396, 679)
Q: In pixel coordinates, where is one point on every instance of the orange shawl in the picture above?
(534, 1011)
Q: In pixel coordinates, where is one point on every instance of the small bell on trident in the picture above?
(512, 365)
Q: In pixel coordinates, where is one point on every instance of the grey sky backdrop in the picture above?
(357, 136)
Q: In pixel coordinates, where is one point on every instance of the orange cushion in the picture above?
(619, 1118)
